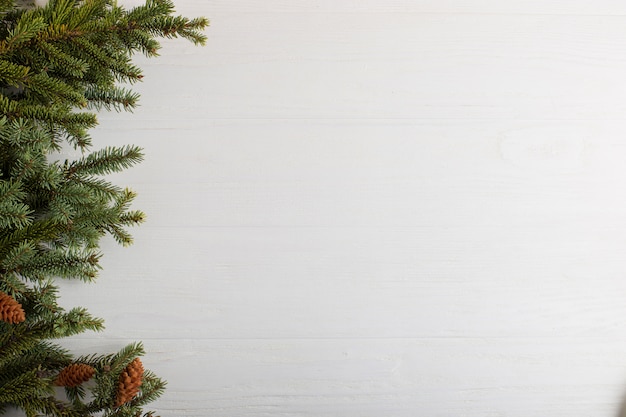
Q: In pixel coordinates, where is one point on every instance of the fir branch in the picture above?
(152, 388)
(87, 12)
(47, 180)
(26, 136)
(64, 62)
(106, 161)
(132, 218)
(24, 387)
(59, 11)
(59, 115)
(139, 40)
(124, 199)
(100, 188)
(35, 232)
(150, 10)
(14, 340)
(120, 360)
(54, 356)
(60, 211)
(54, 59)
(11, 284)
(113, 98)
(13, 74)
(11, 190)
(77, 320)
(175, 26)
(120, 235)
(53, 89)
(24, 31)
(120, 65)
(83, 265)
(42, 300)
(14, 214)
(47, 405)
(16, 257)
(6, 5)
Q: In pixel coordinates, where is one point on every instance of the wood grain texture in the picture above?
(378, 208)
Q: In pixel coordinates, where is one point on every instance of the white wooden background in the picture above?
(368, 208)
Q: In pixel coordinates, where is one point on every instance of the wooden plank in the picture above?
(409, 66)
(347, 227)
(361, 283)
(558, 7)
(370, 377)
(377, 173)
(375, 208)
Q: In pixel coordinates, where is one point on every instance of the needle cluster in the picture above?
(59, 65)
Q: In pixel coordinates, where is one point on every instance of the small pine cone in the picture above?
(10, 310)
(74, 375)
(129, 382)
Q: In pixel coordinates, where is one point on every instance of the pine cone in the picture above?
(10, 310)
(74, 375)
(129, 382)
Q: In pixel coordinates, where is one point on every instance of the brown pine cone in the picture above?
(74, 375)
(129, 382)
(10, 310)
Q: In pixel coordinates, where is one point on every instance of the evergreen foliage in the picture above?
(59, 64)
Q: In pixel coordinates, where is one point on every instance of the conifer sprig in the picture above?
(106, 161)
(56, 62)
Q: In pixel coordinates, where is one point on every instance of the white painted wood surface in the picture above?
(378, 208)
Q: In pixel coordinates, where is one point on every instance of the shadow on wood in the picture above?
(622, 408)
